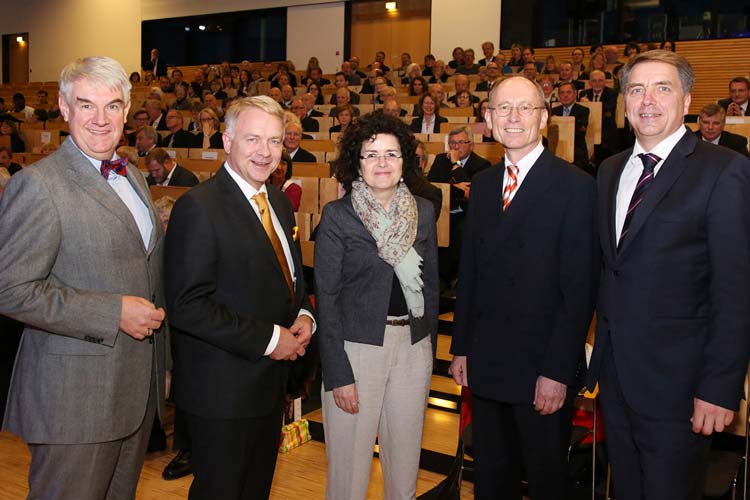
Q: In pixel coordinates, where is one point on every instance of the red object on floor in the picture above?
(584, 418)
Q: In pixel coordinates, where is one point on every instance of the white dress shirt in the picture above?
(428, 126)
(524, 167)
(633, 170)
(129, 197)
(249, 191)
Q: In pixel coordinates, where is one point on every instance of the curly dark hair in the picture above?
(346, 166)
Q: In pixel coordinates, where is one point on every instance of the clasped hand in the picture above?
(294, 340)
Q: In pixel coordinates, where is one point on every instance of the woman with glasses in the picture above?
(210, 135)
(377, 297)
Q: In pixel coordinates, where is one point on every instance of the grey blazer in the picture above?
(353, 286)
(69, 250)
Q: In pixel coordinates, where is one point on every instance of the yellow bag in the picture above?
(294, 435)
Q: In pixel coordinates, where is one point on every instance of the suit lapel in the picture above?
(97, 187)
(536, 182)
(669, 172)
(610, 198)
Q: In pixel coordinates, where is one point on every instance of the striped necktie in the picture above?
(649, 161)
(510, 186)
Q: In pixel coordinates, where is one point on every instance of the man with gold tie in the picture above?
(237, 301)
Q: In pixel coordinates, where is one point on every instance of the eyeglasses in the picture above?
(524, 109)
(458, 143)
(373, 158)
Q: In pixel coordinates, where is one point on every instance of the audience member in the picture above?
(567, 95)
(210, 136)
(342, 96)
(516, 55)
(6, 161)
(9, 128)
(178, 137)
(736, 104)
(155, 64)
(344, 114)
(340, 81)
(292, 139)
(597, 61)
(469, 67)
(19, 106)
(566, 76)
(181, 102)
(529, 56)
(712, 121)
(488, 49)
(439, 74)
(577, 56)
(307, 123)
(461, 83)
(599, 92)
(146, 139)
(164, 171)
(430, 120)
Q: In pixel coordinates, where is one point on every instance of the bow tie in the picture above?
(118, 166)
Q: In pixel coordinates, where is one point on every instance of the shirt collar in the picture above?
(97, 164)
(665, 147)
(247, 190)
(525, 163)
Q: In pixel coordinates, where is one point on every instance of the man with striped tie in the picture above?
(672, 335)
(526, 292)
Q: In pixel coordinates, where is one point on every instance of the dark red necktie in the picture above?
(649, 161)
(118, 166)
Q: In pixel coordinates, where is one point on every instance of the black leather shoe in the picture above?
(179, 466)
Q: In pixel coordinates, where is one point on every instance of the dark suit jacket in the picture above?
(527, 280)
(315, 114)
(225, 292)
(162, 122)
(729, 140)
(416, 124)
(442, 171)
(673, 300)
(181, 177)
(724, 103)
(578, 84)
(161, 68)
(581, 114)
(215, 141)
(610, 134)
(304, 155)
(182, 139)
(353, 286)
(353, 98)
(310, 124)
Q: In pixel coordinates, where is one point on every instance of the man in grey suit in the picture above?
(81, 251)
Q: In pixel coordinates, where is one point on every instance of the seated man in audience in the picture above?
(711, 121)
(309, 101)
(141, 120)
(165, 84)
(354, 63)
(19, 105)
(156, 115)
(287, 94)
(146, 139)
(210, 101)
(275, 94)
(530, 71)
(380, 59)
(178, 138)
(567, 95)
(340, 81)
(380, 85)
(178, 79)
(308, 124)
(53, 110)
(488, 49)
(528, 55)
(439, 92)
(492, 73)
(292, 138)
(6, 160)
(164, 171)
(458, 60)
(502, 63)
(462, 84)
(199, 83)
(389, 97)
(352, 77)
(456, 167)
(566, 76)
(316, 75)
(469, 67)
(341, 97)
(181, 102)
(611, 56)
(577, 63)
(599, 92)
(737, 103)
(393, 108)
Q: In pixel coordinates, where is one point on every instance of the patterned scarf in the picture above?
(394, 233)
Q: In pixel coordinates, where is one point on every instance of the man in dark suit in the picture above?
(309, 101)
(140, 118)
(738, 102)
(156, 115)
(309, 124)
(292, 139)
(237, 300)
(567, 95)
(566, 76)
(178, 138)
(6, 157)
(457, 167)
(671, 347)
(711, 121)
(526, 293)
(90, 371)
(164, 171)
(155, 64)
(599, 92)
(342, 82)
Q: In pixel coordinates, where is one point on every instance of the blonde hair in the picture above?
(262, 102)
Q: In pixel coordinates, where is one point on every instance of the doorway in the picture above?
(16, 58)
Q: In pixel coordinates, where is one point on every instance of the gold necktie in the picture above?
(265, 219)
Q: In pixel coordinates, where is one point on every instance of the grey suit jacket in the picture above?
(69, 250)
(353, 286)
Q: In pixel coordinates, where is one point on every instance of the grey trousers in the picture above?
(91, 471)
(393, 383)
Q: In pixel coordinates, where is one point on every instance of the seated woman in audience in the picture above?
(548, 87)
(412, 71)
(429, 122)
(438, 72)
(181, 102)
(9, 127)
(243, 88)
(344, 115)
(463, 99)
(597, 62)
(283, 69)
(217, 91)
(479, 115)
(210, 135)
(429, 61)
(377, 304)
(314, 89)
(135, 78)
(516, 55)
(312, 63)
(417, 86)
(281, 178)
(632, 49)
(550, 66)
(228, 86)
